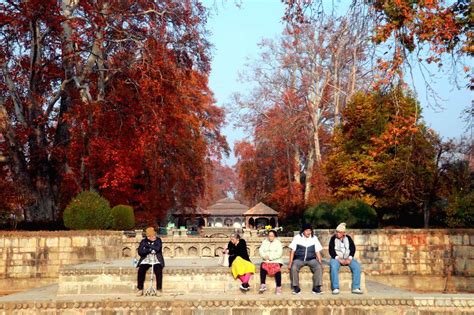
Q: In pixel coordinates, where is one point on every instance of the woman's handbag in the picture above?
(224, 260)
(271, 268)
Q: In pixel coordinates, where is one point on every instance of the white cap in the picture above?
(341, 227)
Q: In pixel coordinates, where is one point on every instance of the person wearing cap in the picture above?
(342, 250)
(150, 252)
(306, 251)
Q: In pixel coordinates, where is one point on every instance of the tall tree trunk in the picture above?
(309, 175)
(336, 92)
(297, 161)
(426, 215)
(317, 146)
(353, 73)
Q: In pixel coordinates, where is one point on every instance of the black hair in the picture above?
(307, 226)
(274, 232)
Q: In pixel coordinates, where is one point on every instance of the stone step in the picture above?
(200, 276)
(45, 301)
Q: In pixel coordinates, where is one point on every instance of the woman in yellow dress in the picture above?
(239, 261)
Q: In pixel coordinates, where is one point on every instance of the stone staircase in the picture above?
(180, 276)
(200, 287)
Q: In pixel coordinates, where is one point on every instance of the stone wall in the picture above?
(32, 259)
(402, 257)
(245, 305)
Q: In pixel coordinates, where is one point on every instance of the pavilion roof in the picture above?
(261, 209)
(227, 206)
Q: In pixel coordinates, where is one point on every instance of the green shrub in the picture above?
(356, 214)
(460, 213)
(321, 216)
(88, 211)
(124, 218)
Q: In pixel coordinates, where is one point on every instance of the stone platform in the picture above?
(381, 300)
(199, 276)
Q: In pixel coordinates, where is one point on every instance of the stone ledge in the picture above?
(254, 304)
(202, 280)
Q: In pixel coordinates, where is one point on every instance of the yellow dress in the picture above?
(241, 266)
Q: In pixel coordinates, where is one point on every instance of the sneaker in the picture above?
(263, 288)
(242, 287)
(357, 291)
(296, 290)
(335, 291)
(317, 290)
(278, 290)
(139, 292)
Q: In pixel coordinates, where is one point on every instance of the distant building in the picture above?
(260, 216)
(227, 212)
(189, 217)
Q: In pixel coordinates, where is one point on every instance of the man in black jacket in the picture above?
(150, 252)
(342, 250)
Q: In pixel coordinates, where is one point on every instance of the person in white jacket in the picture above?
(271, 252)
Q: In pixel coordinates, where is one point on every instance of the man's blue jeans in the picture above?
(334, 265)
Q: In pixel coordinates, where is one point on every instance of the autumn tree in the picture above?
(384, 154)
(107, 95)
(302, 82)
(426, 30)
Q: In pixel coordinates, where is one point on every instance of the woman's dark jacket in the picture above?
(238, 250)
(146, 246)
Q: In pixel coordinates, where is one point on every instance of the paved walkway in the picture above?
(377, 290)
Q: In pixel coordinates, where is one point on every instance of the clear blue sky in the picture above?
(236, 31)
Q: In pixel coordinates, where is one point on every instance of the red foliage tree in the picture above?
(107, 95)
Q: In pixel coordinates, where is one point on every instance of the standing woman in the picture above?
(150, 252)
(271, 252)
(239, 261)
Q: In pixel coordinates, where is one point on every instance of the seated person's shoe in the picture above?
(278, 290)
(296, 290)
(335, 291)
(263, 288)
(317, 290)
(139, 292)
(357, 291)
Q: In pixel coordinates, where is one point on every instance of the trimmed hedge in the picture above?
(88, 211)
(321, 215)
(356, 214)
(124, 218)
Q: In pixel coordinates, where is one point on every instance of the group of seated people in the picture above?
(305, 251)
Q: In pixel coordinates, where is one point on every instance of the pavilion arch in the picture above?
(251, 223)
(228, 222)
(218, 222)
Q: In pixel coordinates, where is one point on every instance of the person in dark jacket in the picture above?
(239, 261)
(150, 252)
(306, 251)
(342, 250)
